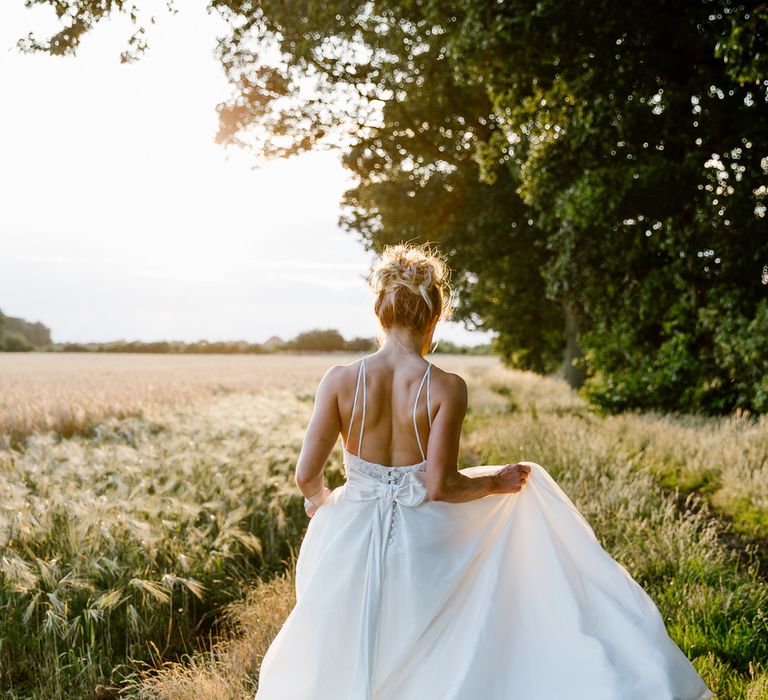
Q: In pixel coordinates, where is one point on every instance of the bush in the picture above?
(318, 341)
(360, 345)
(15, 342)
(711, 360)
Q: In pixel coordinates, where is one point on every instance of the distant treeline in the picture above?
(18, 335)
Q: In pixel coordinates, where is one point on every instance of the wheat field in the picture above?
(149, 521)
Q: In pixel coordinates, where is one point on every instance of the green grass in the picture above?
(158, 541)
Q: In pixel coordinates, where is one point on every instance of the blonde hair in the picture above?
(411, 286)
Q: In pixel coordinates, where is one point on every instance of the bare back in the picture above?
(391, 407)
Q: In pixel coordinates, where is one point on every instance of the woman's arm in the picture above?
(322, 432)
(444, 481)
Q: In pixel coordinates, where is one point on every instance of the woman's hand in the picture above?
(511, 478)
(312, 504)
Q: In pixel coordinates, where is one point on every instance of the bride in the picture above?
(419, 581)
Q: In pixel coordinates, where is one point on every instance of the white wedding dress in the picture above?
(506, 597)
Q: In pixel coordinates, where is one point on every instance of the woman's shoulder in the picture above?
(339, 375)
(450, 377)
(450, 384)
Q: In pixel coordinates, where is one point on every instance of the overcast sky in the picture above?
(120, 218)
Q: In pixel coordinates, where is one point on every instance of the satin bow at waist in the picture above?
(408, 489)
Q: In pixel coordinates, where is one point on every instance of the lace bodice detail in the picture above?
(381, 472)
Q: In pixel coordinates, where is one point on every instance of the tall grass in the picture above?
(122, 545)
(70, 393)
(723, 461)
(165, 539)
(230, 669)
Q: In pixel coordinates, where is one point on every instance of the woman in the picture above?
(420, 581)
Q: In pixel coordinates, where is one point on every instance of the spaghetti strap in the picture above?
(362, 420)
(429, 404)
(427, 376)
(360, 373)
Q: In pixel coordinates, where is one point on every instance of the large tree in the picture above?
(591, 167)
(647, 160)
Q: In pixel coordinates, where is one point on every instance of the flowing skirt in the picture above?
(507, 597)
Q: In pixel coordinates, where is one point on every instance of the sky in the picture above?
(121, 218)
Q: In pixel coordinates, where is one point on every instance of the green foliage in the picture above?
(647, 174)
(713, 359)
(318, 340)
(15, 342)
(743, 48)
(74, 347)
(740, 352)
(36, 334)
(199, 347)
(446, 347)
(311, 341)
(360, 345)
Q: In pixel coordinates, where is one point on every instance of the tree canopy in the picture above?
(596, 171)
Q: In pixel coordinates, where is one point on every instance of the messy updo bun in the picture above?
(411, 286)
